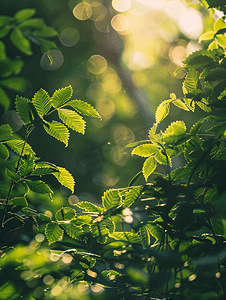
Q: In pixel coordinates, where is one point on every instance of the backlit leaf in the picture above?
(44, 169)
(5, 132)
(20, 42)
(18, 145)
(209, 35)
(58, 130)
(38, 186)
(73, 230)
(145, 150)
(99, 231)
(191, 81)
(65, 178)
(219, 24)
(162, 159)
(53, 232)
(111, 198)
(65, 213)
(27, 166)
(89, 207)
(126, 236)
(42, 102)
(61, 96)
(162, 111)
(195, 127)
(149, 167)
(84, 108)
(145, 236)
(131, 195)
(174, 132)
(23, 109)
(180, 104)
(72, 120)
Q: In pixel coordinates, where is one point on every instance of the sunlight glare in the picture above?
(190, 23)
(83, 11)
(120, 23)
(121, 5)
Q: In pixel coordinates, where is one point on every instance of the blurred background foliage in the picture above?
(119, 56)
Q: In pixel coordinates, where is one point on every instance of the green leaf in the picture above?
(38, 186)
(89, 207)
(162, 159)
(109, 224)
(14, 83)
(126, 236)
(73, 229)
(27, 166)
(72, 120)
(195, 127)
(209, 35)
(53, 232)
(216, 74)
(191, 81)
(58, 131)
(213, 46)
(109, 273)
(65, 178)
(20, 42)
(18, 201)
(65, 213)
(197, 59)
(4, 153)
(46, 45)
(4, 20)
(4, 31)
(12, 175)
(99, 232)
(149, 167)
(180, 104)
(145, 150)
(4, 99)
(84, 108)
(174, 132)
(34, 23)
(42, 102)
(18, 145)
(5, 132)
(23, 109)
(46, 31)
(152, 131)
(221, 40)
(162, 111)
(44, 169)
(156, 231)
(131, 195)
(204, 105)
(145, 236)
(111, 198)
(219, 24)
(190, 104)
(24, 14)
(61, 96)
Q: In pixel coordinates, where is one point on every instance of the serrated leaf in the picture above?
(162, 111)
(145, 150)
(42, 102)
(201, 58)
(4, 99)
(180, 104)
(18, 201)
(126, 236)
(65, 178)
(34, 23)
(111, 198)
(204, 105)
(156, 231)
(145, 236)
(73, 230)
(209, 35)
(24, 14)
(130, 196)
(216, 74)
(196, 127)
(131, 145)
(27, 166)
(58, 131)
(109, 224)
(12, 175)
(4, 153)
(174, 132)
(61, 96)
(190, 104)
(84, 108)
(89, 207)
(72, 120)
(14, 83)
(20, 42)
(38, 186)
(65, 213)
(109, 273)
(149, 167)
(219, 24)
(18, 145)
(53, 232)
(219, 88)
(23, 109)
(99, 232)
(44, 169)
(162, 159)
(191, 81)
(152, 131)
(5, 132)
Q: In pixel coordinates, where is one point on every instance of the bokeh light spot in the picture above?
(178, 54)
(95, 91)
(48, 279)
(52, 60)
(11, 117)
(67, 258)
(106, 108)
(99, 11)
(121, 5)
(56, 290)
(96, 64)
(83, 11)
(39, 237)
(139, 79)
(103, 24)
(69, 37)
(97, 289)
(112, 83)
(73, 200)
(190, 23)
(192, 277)
(48, 213)
(120, 23)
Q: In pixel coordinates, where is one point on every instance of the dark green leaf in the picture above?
(5, 132)
(34, 23)
(27, 166)
(4, 153)
(24, 14)
(4, 20)
(4, 31)
(23, 109)
(38, 186)
(20, 42)
(145, 236)
(196, 127)
(216, 74)
(18, 201)
(14, 83)
(4, 99)
(46, 32)
(46, 45)
(12, 175)
(201, 58)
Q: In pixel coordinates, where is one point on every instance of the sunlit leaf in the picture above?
(219, 24)
(145, 236)
(18, 145)
(111, 198)
(99, 232)
(204, 105)
(196, 127)
(174, 132)
(27, 166)
(72, 120)
(65, 178)
(209, 35)
(61, 96)
(89, 207)
(53, 232)
(24, 14)
(126, 236)
(162, 159)
(156, 231)
(38, 186)
(131, 195)
(109, 273)
(5, 132)
(20, 42)
(44, 169)
(73, 229)
(18, 201)
(201, 58)
(65, 213)
(23, 109)
(42, 102)
(145, 150)
(180, 104)
(149, 167)
(191, 81)
(58, 130)
(190, 104)
(84, 108)
(109, 224)
(162, 111)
